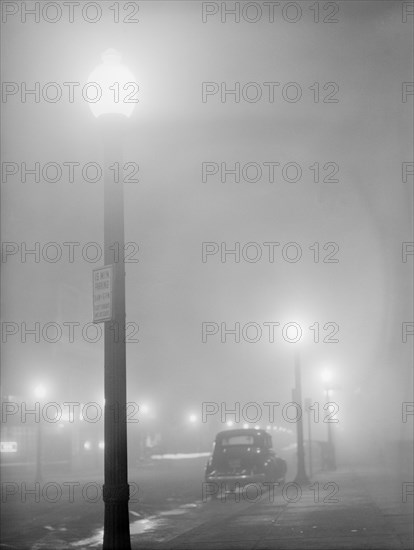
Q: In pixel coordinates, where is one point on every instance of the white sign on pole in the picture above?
(8, 447)
(102, 281)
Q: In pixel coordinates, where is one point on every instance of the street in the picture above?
(207, 259)
(171, 508)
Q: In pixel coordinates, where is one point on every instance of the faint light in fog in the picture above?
(268, 427)
(193, 418)
(40, 391)
(245, 426)
(101, 445)
(257, 427)
(144, 409)
(229, 423)
(87, 445)
(8, 447)
(326, 375)
(116, 84)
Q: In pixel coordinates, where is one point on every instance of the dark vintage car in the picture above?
(244, 456)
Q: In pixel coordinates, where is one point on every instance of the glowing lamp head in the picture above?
(40, 391)
(144, 409)
(326, 376)
(193, 418)
(111, 87)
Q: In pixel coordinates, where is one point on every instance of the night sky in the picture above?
(170, 212)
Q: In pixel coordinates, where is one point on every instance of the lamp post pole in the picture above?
(39, 452)
(308, 404)
(39, 393)
(301, 476)
(331, 447)
(116, 488)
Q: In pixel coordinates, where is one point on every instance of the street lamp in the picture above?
(112, 106)
(113, 85)
(331, 458)
(39, 392)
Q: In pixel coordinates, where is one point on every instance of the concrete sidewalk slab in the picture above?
(335, 511)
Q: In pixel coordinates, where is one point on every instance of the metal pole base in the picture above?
(302, 480)
(116, 523)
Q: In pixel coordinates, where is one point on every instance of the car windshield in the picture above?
(237, 440)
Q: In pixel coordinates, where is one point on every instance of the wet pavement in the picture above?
(342, 509)
(336, 511)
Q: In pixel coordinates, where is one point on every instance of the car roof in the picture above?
(240, 431)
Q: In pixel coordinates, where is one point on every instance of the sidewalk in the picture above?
(315, 521)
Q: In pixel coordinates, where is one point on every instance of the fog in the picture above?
(267, 213)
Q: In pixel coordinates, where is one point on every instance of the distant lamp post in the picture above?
(301, 476)
(143, 433)
(308, 405)
(40, 393)
(331, 458)
(194, 419)
(115, 90)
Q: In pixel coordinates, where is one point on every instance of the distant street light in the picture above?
(326, 376)
(40, 393)
(115, 87)
(144, 409)
(331, 458)
(196, 431)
